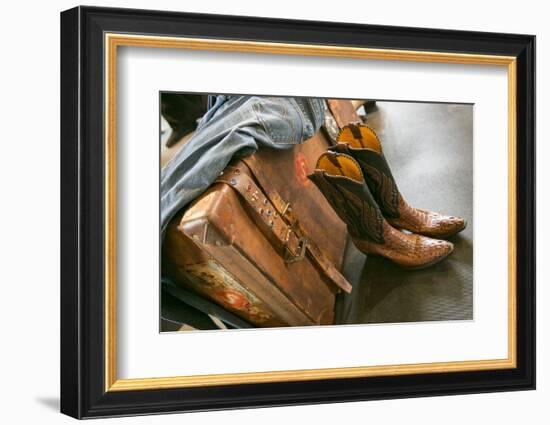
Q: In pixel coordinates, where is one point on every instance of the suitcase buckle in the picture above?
(291, 257)
(285, 210)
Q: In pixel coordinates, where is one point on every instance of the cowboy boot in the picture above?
(340, 179)
(362, 143)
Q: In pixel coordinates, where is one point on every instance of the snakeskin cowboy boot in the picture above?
(361, 142)
(340, 179)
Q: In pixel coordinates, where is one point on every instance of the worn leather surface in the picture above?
(343, 111)
(216, 248)
(275, 218)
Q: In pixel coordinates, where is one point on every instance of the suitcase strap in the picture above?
(279, 224)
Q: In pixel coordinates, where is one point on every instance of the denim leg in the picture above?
(234, 127)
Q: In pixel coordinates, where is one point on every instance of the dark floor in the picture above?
(429, 148)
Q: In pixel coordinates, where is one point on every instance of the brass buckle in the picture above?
(291, 257)
(286, 209)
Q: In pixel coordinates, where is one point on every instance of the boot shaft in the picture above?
(361, 142)
(340, 179)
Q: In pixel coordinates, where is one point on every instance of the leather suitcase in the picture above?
(227, 245)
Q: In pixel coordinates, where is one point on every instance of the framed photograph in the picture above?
(261, 212)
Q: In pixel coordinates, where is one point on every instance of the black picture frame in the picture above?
(82, 219)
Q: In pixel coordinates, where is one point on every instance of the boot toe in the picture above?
(432, 251)
(445, 248)
(443, 226)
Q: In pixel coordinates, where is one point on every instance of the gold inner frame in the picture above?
(113, 41)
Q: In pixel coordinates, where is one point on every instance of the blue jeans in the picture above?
(235, 126)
